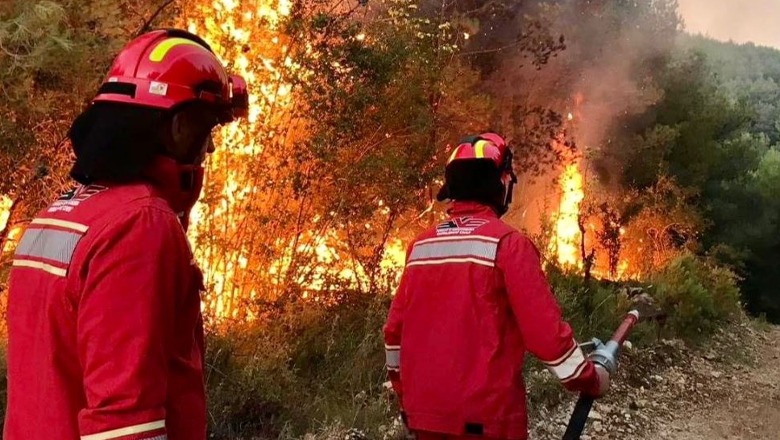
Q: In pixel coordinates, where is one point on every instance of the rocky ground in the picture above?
(729, 389)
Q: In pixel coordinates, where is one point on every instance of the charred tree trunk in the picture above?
(587, 265)
(379, 251)
(588, 259)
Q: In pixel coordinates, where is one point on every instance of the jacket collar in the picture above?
(180, 185)
(468, 208)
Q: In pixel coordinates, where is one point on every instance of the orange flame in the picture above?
(5, 210)
(567, 230)
(567, 240)
(13, 234)
(248, 37)
(233, 28)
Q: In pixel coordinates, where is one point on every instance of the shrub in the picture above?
(594, 309)
(307, 367)
(696, 295)
(303, 367)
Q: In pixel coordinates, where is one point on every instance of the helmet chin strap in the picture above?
(509, 179)
(508, 190)
(180, 185)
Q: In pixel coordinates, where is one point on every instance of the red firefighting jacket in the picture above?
(105, 328)
(472, 300)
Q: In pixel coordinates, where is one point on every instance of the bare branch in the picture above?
(154, 16)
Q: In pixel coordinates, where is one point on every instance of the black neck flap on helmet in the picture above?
(480, 179)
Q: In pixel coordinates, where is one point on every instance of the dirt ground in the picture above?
(748, 406)
(728, 389)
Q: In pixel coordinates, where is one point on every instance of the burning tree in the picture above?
(340, 148)
(336, 166)
(336, 163)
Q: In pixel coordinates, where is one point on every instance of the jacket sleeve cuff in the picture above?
(569, 366)
(145, 431)
(586, 381)
(575, 372)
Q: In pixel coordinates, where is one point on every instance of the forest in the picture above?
(649, 160)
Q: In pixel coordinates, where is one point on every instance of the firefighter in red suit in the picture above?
(105, 327)
(472, 300)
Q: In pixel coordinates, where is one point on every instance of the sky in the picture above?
(739, 20)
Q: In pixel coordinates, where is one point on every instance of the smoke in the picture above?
(739, 20)
(612, 50)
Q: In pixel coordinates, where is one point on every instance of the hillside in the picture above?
(747, 72)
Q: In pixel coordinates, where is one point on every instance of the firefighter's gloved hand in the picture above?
(604, 380)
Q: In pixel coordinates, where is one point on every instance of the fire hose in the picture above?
(605, 355)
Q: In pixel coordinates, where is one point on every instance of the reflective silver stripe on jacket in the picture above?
(393, 357)
(48, 244)
(463, 250)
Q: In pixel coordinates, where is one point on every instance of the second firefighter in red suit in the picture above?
(471, 302)
(105, 328)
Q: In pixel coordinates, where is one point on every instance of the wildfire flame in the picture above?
(230, 26)
(248, 36)
(568, 241)
(567, 229)
(5, 210)
(13, 234)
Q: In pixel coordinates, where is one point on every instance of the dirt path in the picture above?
(747, 404)
(727, 390)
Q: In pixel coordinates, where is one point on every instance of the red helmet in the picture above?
(497, 140)
(487, 146)
(165, 68)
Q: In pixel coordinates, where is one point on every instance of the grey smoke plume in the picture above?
(612, 48)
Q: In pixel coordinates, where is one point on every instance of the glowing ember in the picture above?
(394, 256)
(330, 266)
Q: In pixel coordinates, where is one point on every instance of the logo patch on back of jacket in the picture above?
(71, 199)
(460, 226)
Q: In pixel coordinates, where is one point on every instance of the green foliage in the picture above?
(762, 245)
(304, 365)
(696, 295)
(707, 134)
(749, 73)
(53, 54)
(597, 308)
(739, 192)
(682, 134)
